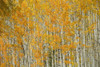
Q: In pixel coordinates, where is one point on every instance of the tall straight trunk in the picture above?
(52, 57)
(60, 59)
(47, 62)
(63, 60)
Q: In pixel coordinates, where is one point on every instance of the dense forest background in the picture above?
(49, 33)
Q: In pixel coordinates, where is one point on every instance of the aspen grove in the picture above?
(49, 33)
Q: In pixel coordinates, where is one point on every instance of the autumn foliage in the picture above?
(47, 33)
